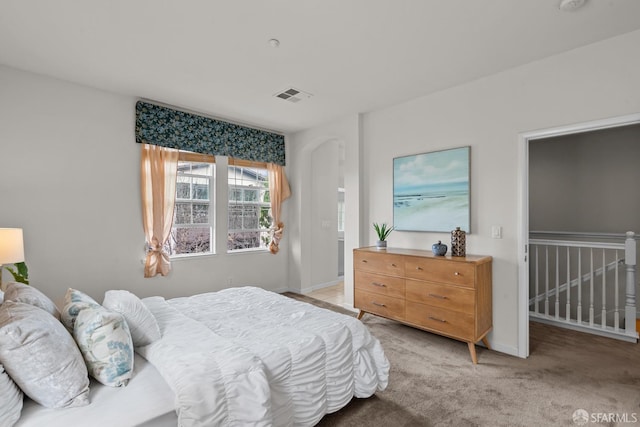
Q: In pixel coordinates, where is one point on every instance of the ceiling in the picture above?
(353, 56)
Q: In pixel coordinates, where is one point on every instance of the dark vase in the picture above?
(439, 248)
(458, 242)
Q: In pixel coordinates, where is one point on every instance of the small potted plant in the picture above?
(383, 232)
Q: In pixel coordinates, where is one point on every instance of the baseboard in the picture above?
(319, 286)
(349, 307)
(507, 349)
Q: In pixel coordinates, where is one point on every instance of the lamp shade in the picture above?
(11, 246)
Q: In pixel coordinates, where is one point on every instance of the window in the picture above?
(193, 219)
(249, 205)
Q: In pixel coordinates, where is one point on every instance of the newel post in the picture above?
(630, 300)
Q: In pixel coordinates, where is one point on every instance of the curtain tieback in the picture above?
(276, 235)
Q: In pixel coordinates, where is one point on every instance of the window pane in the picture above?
(249, 205)
(183, 187)
(250, 195)
(244, 240)
(183, 213)
(201, 188)
(203, 169)
(200, 213)
(191, 240)
(235, 194)
(193, 206)
(265, 218)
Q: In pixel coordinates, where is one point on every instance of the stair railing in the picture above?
(597, 292)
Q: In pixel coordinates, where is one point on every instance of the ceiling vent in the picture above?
(293, 95)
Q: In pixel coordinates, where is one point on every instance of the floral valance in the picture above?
(171, 128)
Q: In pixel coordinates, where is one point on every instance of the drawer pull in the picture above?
(419, 268)
(382, 285)
(364, 260)
(438, 296)
(456, 274)
(436, 319)
(393, 265)
(378, 304)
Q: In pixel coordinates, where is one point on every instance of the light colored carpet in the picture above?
(433, 382)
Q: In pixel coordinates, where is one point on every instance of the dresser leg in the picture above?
(485, 341)
(472, 351)
(360, 314)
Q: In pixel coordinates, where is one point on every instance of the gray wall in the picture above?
(587, 182)
(70, 177)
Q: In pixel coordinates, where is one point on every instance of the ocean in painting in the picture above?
(432, 207)
(431, 191)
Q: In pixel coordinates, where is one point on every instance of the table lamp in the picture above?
(11, 247)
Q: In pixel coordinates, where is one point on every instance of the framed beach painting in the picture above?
(431, 191)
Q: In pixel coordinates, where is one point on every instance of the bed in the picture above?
(236, 357)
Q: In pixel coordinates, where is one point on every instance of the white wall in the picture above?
(324, 213)
(301, 227)
(594, 82)
(69, 176)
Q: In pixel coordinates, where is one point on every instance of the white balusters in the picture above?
(570, 284)
(546, 280)
(616, 313)
(537, 305)
(630, 300)
(568, 305)
(579, 310)
(603, 312)
(557, 306)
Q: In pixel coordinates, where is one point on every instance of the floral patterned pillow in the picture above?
(105, 343)
(74, 302)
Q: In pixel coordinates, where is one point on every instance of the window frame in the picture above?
(191, 157)
(239, 163)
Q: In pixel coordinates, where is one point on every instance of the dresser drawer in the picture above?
(379, 263)
(382, 305)
(440, 270)
(377, 284)
(447, 322)
(444, 296)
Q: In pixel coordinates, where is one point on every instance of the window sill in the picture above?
(191, 256)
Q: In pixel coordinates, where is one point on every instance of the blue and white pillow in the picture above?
(105, 343)
(74, 302)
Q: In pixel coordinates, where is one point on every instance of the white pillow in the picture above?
(41, 357)
(10, 400)
(143, 325)
(105, 342)
(28, 294)
(74, 301)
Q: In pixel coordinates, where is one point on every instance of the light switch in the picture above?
(496, 232)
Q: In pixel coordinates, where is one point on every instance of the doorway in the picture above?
(525, 140)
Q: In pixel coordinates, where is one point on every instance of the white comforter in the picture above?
(246, 356)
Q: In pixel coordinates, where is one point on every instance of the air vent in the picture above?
(293, 95)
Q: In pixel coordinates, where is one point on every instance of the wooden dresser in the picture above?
(446, 295)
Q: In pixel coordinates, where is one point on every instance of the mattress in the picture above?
(146, 400)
